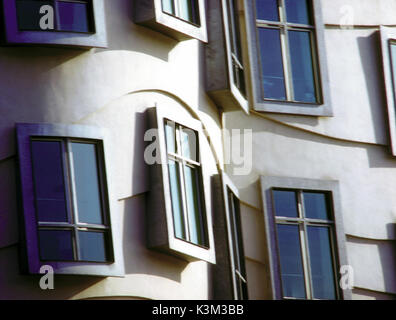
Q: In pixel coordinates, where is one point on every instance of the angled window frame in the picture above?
(161, 230)
(323, 106)
(220, 59)
(97, 38)
(31, 264)
(268, 183)
(388, 38)
(239, 277)
(150, 13)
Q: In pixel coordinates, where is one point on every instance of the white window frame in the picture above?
(339, 249)
(388, 37)
(161, 233)
(29, 227)
(323, 106)
(235, 274)
(150, 13)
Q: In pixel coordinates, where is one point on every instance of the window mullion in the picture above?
(182, 183)
(305, 247)
(73, 198)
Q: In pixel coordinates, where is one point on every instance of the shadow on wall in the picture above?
(371, 60)
(124, 34)
(138, 259)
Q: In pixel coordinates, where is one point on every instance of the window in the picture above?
(288, 61)
(73, 16)
(306, 238)
(388, 44)
(226, 73)
(179, 19)
(234, 229)
(188, 207)
(179, 206)
(187, 10)
(55, 22)
(66, 206)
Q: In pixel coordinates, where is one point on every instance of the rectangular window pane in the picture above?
(28, 12)
(73, 16)
(167, 6)
(291, 261)
(301, 64)
(316, 205)
(194, 207)
(285, 203)
(92, 246)
(177, 204)
(267, 10)
(56, 245)
(170, 136)
(49, 181)
(321, 263)
(271, 64)
(189, 10)
(87, 182)
(189, 144)
(298, 11)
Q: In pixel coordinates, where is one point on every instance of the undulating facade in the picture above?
(192, 149)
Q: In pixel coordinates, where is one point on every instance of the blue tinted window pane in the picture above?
(73, 16)
(298, 11)
(285, 203)
(177, 207)
(267, 10)
(167, 6)
(170, 137)
(56, 245)
(321, 263)
(28, 12)
(302, 70)
(194, 207)
(315, 205)
(271, 64)
(393, 53)
(189, 143)
(92, 246)
(291, 262)
(49, 181)
(87, 183)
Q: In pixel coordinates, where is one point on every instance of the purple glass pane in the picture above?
(56, 245)
(49, 181)
(73, 16)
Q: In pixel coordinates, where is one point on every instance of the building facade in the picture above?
(173, 149)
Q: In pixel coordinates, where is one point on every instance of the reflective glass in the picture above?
(291, 261)
(315, 205)
(170, 136)
(87, 183)
(321, 263)
(167, 6)
(73, 16)
(49, 181)
(267, 10)
(285, 203)
(298, 11)
(92, 246)
(194, 208)
(56, 245)
(302, 69)
(177, 206)
(271, 64)
(189, 144)
(28, 12)
(189, 10)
